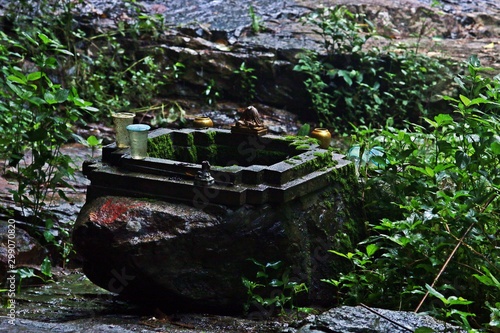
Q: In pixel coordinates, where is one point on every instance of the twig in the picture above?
(444, 266)
(386, 318)
(460, 241)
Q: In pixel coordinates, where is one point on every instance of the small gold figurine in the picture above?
(249, 123)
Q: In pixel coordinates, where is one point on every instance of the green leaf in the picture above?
(371, 249)
(28, 37)
(424, 329)
(49, 237)
(345, 74)
(63, 195)
(64, 51)
(46, 267)
(304, 130)
(431, 122)
(443, 119)
(444, 146)
(429, 171)
(335, 283)
(275, 283)
(26, 272)
(93, 141)
(62, 95)
(45, 39)
(465, 100)
(453, 300)
(49, 98)
(34, 76)
(495, 147)
(442, 167)
(90, 109)
(436, 293)
(449, 98)
(488, 279)
(274, 265)
(479, 100)
(426, 171)
(347, 256)
(79, 139)
(36, 100)
(17, 79)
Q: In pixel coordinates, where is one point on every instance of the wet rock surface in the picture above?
(348, 319)
(28, 252)
(218, 43)
(74, 304)
(452, 28)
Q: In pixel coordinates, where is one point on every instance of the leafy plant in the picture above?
(36, 120)
(256, 24)
(28, 272)
(110, 67)
(49, 65)
(362, 284)
(273, 289)
(443, 181)
(211, 93)
(247, 82)
(167, 114)
(92, 142)
(487, 278)
(59, 239)
(340, 29)
(450, 304)
(304, 130)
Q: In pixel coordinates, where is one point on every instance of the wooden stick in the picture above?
(386, 318)
(444, 266)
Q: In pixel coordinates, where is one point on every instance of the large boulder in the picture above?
(184, 257)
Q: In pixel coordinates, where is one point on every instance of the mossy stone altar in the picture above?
(150, 232)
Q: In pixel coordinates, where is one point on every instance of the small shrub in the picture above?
(272, 291)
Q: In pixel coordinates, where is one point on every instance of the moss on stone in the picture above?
(211, 137)
(268, 157)
(161, 147)
(208, 153)
(303, 147)
(303, 140)
(190, 139)
(186, 154)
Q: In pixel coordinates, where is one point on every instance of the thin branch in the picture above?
(460, 242)
(445, 265)
(386, 318)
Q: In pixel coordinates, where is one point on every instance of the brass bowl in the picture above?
(323, 135)
(202, 122)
